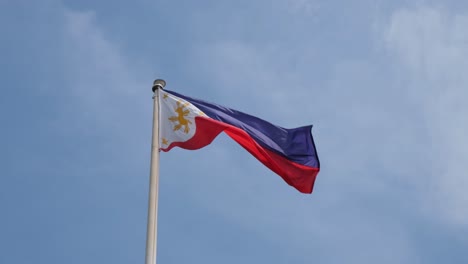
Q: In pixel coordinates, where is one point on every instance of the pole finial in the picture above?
(158, 84)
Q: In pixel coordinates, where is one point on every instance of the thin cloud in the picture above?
(355, 115)
(431, 46)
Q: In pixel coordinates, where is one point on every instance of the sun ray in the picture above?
(181, 119)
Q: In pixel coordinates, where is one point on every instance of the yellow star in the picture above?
(165, 96)
(164, 141)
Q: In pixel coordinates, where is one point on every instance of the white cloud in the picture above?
(308, 7)
(356, 128)
(431, 45)
(107, 96)
(100, 77)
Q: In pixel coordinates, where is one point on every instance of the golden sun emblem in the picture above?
(182, 112)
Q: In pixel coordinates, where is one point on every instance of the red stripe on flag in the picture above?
(297, 175)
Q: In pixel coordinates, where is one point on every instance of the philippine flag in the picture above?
(191, 124)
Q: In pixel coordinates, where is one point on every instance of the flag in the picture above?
(191, 124)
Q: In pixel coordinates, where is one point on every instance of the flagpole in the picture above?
(152, 225)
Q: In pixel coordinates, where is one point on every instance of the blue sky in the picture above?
(383, 82)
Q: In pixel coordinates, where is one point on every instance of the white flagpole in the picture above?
(152, 228)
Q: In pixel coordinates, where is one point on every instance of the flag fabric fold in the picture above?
(191, 123)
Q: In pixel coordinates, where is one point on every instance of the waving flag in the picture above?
(192, 124)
